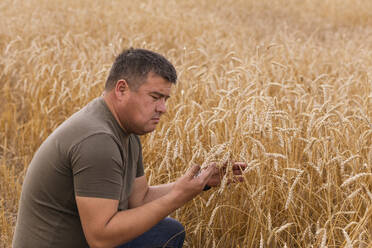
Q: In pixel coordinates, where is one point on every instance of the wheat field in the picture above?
(283, 85)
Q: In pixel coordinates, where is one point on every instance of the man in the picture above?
(85, 186)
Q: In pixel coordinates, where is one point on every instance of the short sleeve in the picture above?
(97, 167)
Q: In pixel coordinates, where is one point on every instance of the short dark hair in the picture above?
(133, 65)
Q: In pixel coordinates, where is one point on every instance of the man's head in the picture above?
(137, 88)
(133, 65)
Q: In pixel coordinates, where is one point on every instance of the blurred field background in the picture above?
(284, 85)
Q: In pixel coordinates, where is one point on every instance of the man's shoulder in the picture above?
(91, 120)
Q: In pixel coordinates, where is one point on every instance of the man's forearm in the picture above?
(137, 221)
(155, 192)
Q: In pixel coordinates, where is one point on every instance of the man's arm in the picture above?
(105, 226)
(142, 193)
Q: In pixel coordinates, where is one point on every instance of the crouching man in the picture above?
(85, 186)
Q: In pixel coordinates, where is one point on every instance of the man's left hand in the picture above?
(237, 171)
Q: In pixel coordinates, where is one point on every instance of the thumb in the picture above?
(193, 171)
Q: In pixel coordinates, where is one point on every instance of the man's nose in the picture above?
(161, 107)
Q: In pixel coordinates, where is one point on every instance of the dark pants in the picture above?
(167, 233)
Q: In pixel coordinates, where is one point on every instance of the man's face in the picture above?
(143, 107)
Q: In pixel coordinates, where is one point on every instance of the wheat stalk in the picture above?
(355, 178)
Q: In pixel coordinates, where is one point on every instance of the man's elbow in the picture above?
(98, 241)
(102, 239)
(96, 245)
(100, 244)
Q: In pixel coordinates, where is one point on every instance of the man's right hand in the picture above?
(192, 183)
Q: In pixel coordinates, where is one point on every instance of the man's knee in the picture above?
(168, 233)
(175, 229)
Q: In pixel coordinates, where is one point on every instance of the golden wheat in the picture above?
(284, 86)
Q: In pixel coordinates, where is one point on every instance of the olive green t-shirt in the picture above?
(87, 155)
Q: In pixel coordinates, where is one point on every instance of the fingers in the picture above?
(237, 172)
(193, 171)
(235, 179)
(213, 175)
(207, 173)
(239, 166)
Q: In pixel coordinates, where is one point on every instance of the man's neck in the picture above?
(108, 100)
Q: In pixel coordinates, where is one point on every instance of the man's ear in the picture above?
(121, 87)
